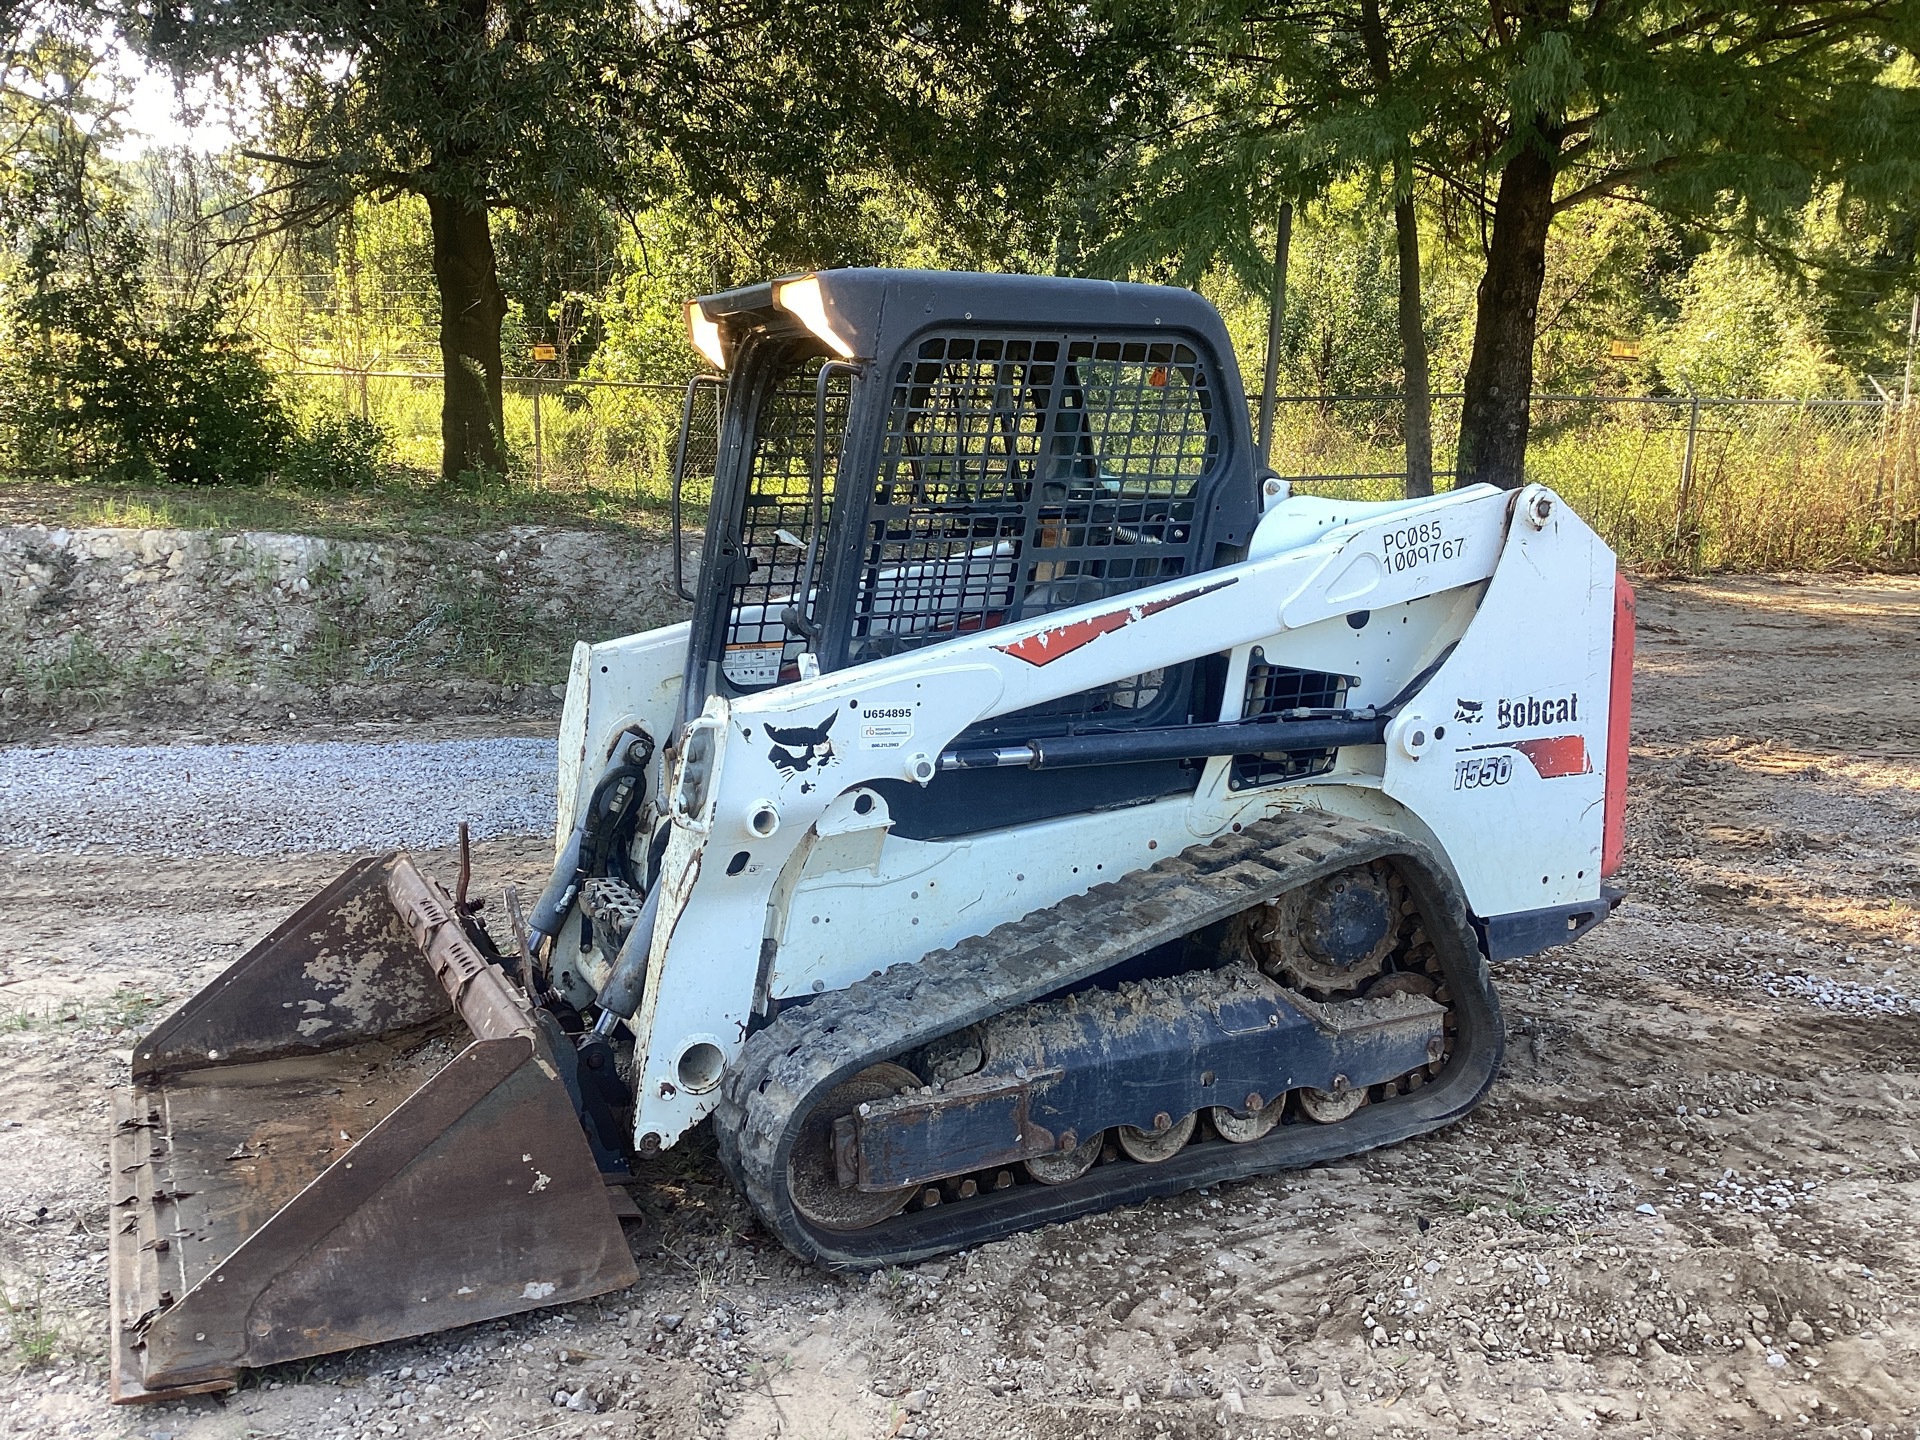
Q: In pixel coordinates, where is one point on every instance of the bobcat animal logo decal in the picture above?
(796, 751)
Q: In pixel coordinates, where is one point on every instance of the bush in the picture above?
(335, 452)
(109, 384)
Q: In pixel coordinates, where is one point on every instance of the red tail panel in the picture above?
(1613, 843)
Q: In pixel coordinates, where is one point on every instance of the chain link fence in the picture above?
(611, 436)
(1673, 482)
(1677, 482)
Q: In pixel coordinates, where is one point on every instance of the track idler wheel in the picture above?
(812, 1176)
(1065, 1165)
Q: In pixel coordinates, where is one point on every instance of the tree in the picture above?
(483, 105)
(468, 105)
(1521, 112)
(1283, 103)
(1733, 116)
(1406, 230)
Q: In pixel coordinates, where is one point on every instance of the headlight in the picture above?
(804, 300)
(705, 335)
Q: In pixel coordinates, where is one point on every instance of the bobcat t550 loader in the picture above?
(1043, 809)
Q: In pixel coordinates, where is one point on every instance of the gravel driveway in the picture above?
(184, 800)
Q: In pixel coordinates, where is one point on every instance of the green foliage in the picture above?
(1742, 328)
(99, 372)
(30, 1333)
(1737, 121)
(330, 451)
(123, 388)
(789, 126)
(1340, 336)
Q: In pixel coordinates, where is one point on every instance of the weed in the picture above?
(1517, 1204)
(85, 669)
(125, 1009)
(30, 1334)
(129, 1008)
(82, 672)
(707, 1271)
(475, 630)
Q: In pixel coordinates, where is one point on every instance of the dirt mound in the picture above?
(109, 628)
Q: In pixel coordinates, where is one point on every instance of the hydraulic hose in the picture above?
(608, 816)
(587, 849)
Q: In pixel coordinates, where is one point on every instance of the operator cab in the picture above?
(900, 457)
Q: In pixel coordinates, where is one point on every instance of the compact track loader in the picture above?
(1043, 809)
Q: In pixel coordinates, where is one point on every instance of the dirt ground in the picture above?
(1688, 1207)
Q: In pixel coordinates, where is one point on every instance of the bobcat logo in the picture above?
(794, 752)
(1467, 710)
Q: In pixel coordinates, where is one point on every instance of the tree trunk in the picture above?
(472, 423)
(1417, 425)
(1493, 415)
(1413, 346)
(1276, 323)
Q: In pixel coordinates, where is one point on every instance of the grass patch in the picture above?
(30, 1334)
(1772, 487)
(82, 672)
(1519, 1203)
(130, 1008)
(405, 506)
(127, 1008)
(472, 631)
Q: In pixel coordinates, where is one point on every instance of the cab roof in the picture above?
(874, 310)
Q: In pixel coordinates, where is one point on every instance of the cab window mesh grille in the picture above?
(775, 514)
(1026, 474)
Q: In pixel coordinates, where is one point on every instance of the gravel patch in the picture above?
(178, 800)
(1847, 996)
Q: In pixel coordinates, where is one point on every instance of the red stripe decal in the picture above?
(1556, 755)
(1049, 645)
(1613, 843)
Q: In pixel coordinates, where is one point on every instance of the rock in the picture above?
(914, 1401)
(1800, 1331)
(582, 1402)
(671, 1323)
(1644, 1329)
(1645, 1209)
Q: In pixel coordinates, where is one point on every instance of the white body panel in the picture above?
(631, 681)
(779, 884)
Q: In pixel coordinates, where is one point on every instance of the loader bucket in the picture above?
(357, 1133)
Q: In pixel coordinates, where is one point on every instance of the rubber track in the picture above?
(793, 1063)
